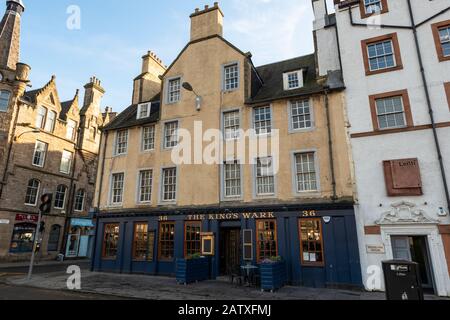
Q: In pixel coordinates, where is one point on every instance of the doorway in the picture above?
(415, 249)
(230, 253)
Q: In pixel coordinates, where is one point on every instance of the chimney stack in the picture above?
(148, 84)
(207, 22)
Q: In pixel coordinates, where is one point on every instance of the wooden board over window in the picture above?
(402, 177)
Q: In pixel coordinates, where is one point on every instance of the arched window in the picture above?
(53, 239)
(79, 200)
(22, 238)
(4, 100)
(32, 192)
(60, 197)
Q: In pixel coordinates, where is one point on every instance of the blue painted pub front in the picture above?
(332, 261)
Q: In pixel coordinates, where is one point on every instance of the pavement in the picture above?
(124, 286)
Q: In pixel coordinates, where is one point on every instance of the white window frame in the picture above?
(42, 117)
(299, 77)
(116, 142)
(64, 199)
(143, 149)
(254, 120)
(49, 121)
(111, 189)
(37, 193)
(148, 105)
(224, 80)
(294, 172)
(44, 155)
(161, 189)
(446, 41)
(164, 142)
(291, 115)
(66, 152)
(257, 195)
(71, 127)
(168, 92)
(239, 130)
(224, 196)
(138, 186)
(403, 112)
(2, 93)
(372, 4)
(391, 41)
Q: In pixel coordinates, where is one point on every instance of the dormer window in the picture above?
(144, 110)
(293, 80)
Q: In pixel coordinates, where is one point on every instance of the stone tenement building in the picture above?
(154, 209)
(46, 146)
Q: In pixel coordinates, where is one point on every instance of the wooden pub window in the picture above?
(166, 240)
(311, 242)
(192, 238)
(267, 239)
(111, 241)
(143, 243)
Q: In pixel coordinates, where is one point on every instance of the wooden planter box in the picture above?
(192, 270)
(273, 275)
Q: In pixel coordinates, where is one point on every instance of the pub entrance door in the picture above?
(230, 253)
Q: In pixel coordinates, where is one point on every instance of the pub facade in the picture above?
(170, 187)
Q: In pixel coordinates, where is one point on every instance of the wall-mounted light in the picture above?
(198, 99)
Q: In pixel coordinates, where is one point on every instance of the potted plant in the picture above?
(273, 273)
(194, 268)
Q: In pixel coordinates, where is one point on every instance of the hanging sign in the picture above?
(27, 218)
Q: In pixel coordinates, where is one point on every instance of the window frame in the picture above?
(239, 130)
(57, 191)
(224, 197)
(224, 83)
(161, 189)
(396, 53)
(365, 14)
(104, 256)
(294, 172)
(300, 79)
(54, 227)
(43, 117)
(164, 142)
(257, 195)
(140, 171)
(291, 115)
(167, 90)
(74, 127)
(437, 39)
(258, 241)
(44, 157)
(196, 224)
(9, 100)
(116, 142)
(160, 241)
(139, 110)
(38, 189)
(76, 200)
(406, 109)
(143, 140)
(66, 152)
(302, 261)
(111, 189)
(53, 123)
(149, 244)
(269, 106)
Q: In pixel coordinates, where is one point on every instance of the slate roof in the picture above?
(272, 76)
(65, 107)
(31, 95)
(127, 118)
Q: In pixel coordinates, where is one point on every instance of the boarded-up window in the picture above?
(403, 177)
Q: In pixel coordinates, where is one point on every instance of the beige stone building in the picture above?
(46, 146)
(296, 201)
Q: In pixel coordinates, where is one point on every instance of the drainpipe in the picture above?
(330, 143)
(430, 108)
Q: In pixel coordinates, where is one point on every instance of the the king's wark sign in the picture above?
(225, 216)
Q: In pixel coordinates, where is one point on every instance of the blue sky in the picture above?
(115, 34)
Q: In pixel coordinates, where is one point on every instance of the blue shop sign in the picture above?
(82, 223)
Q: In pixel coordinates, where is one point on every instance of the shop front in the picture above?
(319, 246)
(80, 238)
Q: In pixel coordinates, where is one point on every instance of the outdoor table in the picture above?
(249, 269)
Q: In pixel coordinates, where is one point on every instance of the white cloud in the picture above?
(272, 30)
